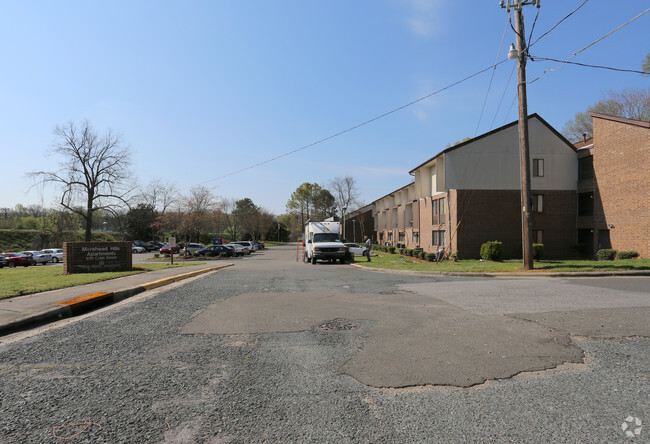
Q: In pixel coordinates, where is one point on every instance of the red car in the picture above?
(167, 249)
(13, 260)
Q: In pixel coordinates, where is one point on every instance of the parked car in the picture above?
(260, 245)
(166, 249)
(239, 250)
(138, 249)
(251, 245)
(146, 245)
(17, 260)
(356, 249)
(56, 253)
(193, 248)
(40, 257)
(214, 250)
(157, 245)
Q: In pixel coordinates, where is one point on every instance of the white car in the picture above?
(356, 249)
(193, 248)
(40, 257)
(56, 253)
(240, 250)
(252, 246)
(136, 249)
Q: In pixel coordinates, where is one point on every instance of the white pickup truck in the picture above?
(323, 242)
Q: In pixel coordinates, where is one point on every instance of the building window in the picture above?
(586, 204)
(538, 203)
(390, 236)
(381, 236)
(538, 167)
(586, 168)
(537, 237)
(438, 237)
(438, 210)
(401, 236)
(416, 237)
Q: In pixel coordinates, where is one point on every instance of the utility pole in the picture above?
(524, 152)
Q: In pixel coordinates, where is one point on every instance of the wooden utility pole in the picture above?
(524, 152)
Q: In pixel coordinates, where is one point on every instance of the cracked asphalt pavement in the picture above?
(274, 350)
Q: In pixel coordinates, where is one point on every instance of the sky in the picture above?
(210, 92)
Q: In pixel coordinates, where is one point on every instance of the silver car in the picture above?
(56, 253)
(40, 257)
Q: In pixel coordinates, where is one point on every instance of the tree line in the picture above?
(97, 192)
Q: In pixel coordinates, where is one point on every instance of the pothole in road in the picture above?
(337, 325)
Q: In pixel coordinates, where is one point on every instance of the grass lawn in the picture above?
(396, 262)
(35, 279)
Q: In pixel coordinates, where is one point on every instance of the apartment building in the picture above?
(471, 193)
(614, 186)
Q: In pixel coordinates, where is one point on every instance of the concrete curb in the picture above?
(522, 274)
(85, 303)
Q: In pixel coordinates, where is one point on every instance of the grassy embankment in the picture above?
(35, 279)
(396, 262)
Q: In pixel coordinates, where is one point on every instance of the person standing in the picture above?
(368, 247)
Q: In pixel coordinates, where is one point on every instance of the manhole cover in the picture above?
(337, 325)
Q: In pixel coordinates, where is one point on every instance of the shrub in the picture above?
(492, 251)
(422, 254)
(391, 249)
(606, 254)
(431, 257)
(628, 254)
(409, 252)
(538, 251)
(402, 251)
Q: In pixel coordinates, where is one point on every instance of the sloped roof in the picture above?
(462, 144)
(640, 123)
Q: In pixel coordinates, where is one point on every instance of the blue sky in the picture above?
(202, 89)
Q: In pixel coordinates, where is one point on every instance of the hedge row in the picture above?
(416, 253)
(607, 254)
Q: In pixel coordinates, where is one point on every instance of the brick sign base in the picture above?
(96, 257)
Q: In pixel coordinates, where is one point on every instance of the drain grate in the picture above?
(337, 325)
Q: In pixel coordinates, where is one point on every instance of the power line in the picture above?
(590, 66)
(556, 25)
(503, 96)
(492, 77)
(340, 133)
(564, 62)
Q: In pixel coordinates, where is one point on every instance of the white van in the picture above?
(323, 241)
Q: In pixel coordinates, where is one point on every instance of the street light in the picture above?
(105, 232)
(344, 208)
(354, 232)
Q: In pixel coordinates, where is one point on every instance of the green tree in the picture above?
(139, 222)
(629, 103)
(645, 66)
(311, 201)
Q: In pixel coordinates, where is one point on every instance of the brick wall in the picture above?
(622, 184)
(489, 215)
(96, 257)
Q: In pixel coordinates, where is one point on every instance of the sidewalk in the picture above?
(29, 310)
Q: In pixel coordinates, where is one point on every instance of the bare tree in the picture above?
(200, 205)
(162, 195)
(346, 193)
(94, 174)
(630, 103)
(233, 227)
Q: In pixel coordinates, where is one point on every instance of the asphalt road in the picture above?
(277, 351)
